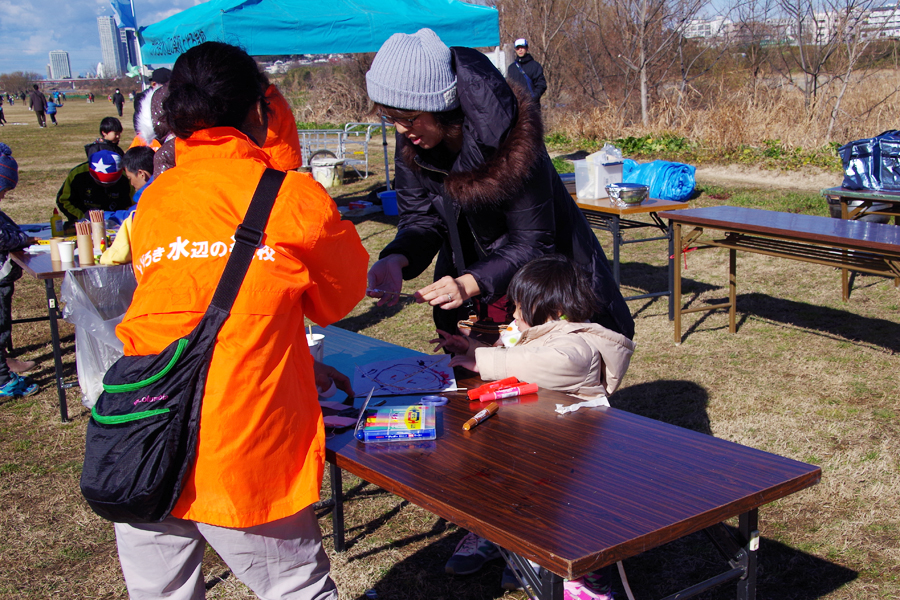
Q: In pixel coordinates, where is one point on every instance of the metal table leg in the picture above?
(617, 241)
(748, 523)
(672, 258)
(337, 517)
(53, 314)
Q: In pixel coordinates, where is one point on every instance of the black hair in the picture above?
(109, 124)
(552, 286)
(35, 86)
(212, 85)
(450, 122)
(139, 158)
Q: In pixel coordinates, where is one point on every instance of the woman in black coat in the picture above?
(472, 173)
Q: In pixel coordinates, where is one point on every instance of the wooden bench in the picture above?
(847, 245)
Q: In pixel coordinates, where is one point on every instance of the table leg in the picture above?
(732, 290)
(845, 273)
(337, 516)
(617, 240)
(53, 313)
(669, 234)
(749, 527)
(675, 303)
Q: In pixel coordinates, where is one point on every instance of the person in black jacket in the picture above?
(527, 72)
(110, 134)
(119, 101)
(472, 172)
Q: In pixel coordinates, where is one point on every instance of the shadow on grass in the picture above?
(784, 573)
(421, 575)
(684, 403)
(817, 320)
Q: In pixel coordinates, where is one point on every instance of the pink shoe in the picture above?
(586, 588)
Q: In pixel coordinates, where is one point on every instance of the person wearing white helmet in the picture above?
(527, 72)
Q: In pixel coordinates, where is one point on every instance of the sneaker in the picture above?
(593, 586)
(470, 555)
(18, 386)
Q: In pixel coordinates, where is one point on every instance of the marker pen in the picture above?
(491, 387)
(519, 390)
(480, 416)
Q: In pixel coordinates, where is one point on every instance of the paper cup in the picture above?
(54, 248)
(316, 343)
(66, 252)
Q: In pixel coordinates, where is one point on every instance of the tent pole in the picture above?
(387, 170)
(137, 41)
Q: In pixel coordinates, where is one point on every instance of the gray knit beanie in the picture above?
(412, 72)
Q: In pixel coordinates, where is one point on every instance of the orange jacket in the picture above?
(139, 141)
(282, 142)
(261, 445)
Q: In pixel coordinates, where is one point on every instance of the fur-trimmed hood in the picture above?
(503, 136)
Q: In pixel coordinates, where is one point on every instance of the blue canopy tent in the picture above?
(266, 27)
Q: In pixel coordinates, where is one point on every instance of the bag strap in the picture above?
(526, 78)
(247, 238)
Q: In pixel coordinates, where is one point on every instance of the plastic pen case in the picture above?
(396, 423)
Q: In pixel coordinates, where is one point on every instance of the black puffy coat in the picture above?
(508, 200)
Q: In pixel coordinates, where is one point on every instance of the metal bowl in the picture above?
(629, 193)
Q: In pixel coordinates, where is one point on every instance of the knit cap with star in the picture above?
(105, 167)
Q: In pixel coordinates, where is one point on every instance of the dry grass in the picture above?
(806, 376)
(758, 112)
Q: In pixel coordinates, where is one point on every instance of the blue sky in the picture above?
(30, 29)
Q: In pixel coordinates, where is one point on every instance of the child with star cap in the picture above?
(95, 184)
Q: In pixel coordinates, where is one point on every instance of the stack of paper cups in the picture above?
(98, 233)
(85, 249)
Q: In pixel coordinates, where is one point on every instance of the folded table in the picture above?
(573, 493)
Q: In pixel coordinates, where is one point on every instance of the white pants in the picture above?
(279, 560)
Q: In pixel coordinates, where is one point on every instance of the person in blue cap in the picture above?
(11, 238)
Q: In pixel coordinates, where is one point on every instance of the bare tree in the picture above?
(645, 37)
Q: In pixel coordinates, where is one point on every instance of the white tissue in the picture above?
(600, 401)
(331, 391)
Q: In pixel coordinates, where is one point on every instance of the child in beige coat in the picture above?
(551, 342)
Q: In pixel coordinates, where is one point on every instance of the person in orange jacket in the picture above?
(282, 142)
(261, 445)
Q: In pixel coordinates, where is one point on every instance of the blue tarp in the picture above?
(266, 27)
(667, 180)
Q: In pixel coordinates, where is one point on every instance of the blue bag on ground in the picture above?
(872, 163)
(667, 180)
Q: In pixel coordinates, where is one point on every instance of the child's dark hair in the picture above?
(139, 158)
(110, 124)
(552, 286)
(212, 85)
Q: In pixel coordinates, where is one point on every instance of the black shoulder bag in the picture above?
(142, 435)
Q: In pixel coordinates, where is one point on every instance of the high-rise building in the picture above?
(60, 68)
(129, 46)
(110, 47)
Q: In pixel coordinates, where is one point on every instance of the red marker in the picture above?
(520, 390)
(491, 387)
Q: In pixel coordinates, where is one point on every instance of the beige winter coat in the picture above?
(585, 360)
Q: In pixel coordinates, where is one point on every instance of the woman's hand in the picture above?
(386, 279)
(449, 293)
(325, 375)
(455, 344)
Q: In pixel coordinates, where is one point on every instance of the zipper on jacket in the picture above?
(428, 167)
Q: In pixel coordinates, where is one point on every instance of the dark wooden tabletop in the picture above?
(573, 492)
(883, 195)
(881, 237)
(40, 266)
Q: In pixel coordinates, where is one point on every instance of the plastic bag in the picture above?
(95, 302)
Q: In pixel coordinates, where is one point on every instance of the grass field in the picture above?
(806, 376)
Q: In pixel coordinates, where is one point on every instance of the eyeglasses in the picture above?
(406, 123)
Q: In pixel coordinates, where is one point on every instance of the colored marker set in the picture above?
(504, 388)
(395, 423)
